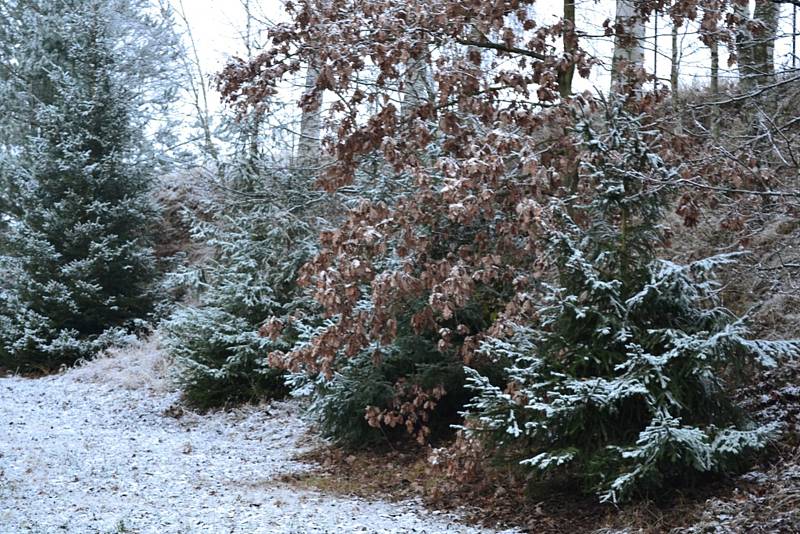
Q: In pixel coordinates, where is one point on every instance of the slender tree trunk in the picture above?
(655, 51)
(715, 67)
(254, 121)
(628, 60)
(417, 85)
(744, 45)
(794, 36)
(766, 14)
(308, 147)
(674, 74)
(198, 87)
(715, 85)
(570, 41)
(674, 69)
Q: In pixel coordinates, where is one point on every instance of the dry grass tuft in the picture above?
(140, 365)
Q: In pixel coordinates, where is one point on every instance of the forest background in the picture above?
(539, 245)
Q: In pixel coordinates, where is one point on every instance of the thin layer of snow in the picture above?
(80, 454)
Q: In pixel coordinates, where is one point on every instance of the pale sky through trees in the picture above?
(246, 252)
(219, 28)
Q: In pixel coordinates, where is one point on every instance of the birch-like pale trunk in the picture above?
(417, 86)
(714, 46)
(675, 62)
(744, 46)
(628, 59)
(308, 146)
(756, 49)
(715, 67)
(570, 42)
(766, 13)
(794, 36)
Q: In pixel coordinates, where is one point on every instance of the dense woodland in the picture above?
(458, 229)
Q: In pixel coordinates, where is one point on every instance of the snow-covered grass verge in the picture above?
(102, 448)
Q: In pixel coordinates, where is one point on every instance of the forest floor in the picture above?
(107, 448)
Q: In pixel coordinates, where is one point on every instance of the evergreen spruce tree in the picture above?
(623, 378)
(387, 393)
(76, 260)
(258, 242)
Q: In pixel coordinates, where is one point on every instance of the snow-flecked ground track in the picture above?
(94, 455)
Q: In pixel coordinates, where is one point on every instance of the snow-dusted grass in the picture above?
(140, 365)
(95, 450)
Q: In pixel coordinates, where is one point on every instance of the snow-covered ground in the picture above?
(98, 449)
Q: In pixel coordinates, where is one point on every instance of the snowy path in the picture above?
(83, 456)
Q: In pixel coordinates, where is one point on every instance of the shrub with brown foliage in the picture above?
(454, 247)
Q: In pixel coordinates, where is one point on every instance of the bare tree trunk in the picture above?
(714, 46)
(417, 85)
(254, 120)
(674, 75)
(744, 45)
(570, 41)
(628, 60)
(655, 51)
(715, 67)
(308, 147)
(794, 36)
(756, 48)
(766, 13)
(674, 68)
(197, 84)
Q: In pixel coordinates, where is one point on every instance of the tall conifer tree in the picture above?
(76, 83)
